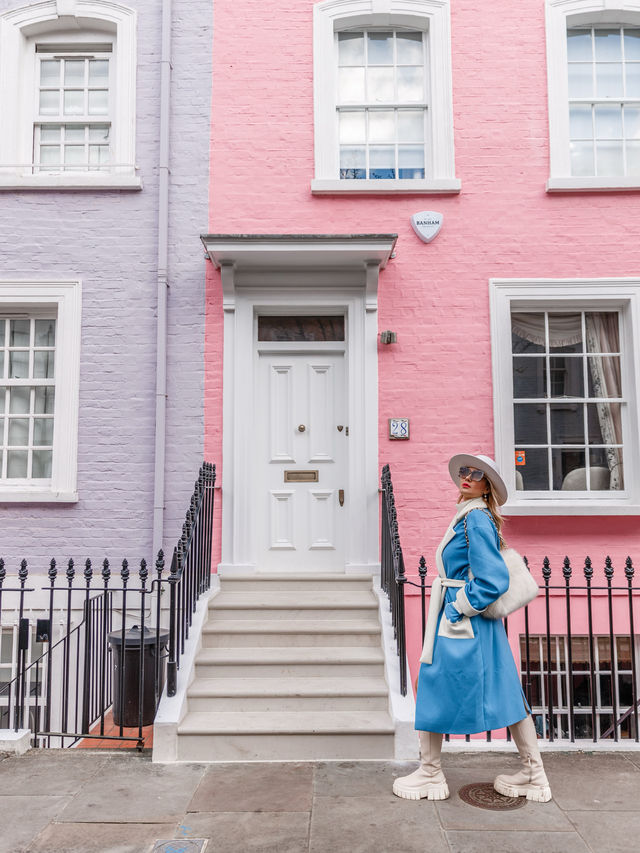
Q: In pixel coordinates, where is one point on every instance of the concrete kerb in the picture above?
(15, 743)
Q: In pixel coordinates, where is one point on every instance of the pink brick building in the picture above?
(518, 326)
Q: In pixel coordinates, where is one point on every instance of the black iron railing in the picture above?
(101, 640)
(577, 641)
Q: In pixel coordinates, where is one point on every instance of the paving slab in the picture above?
(380, 823)
(605, 831)
(100, 837)
(251, 832)
(585, 782)
(49, 771)
(254, 788)
(358, 778)
(130, 789)
(468, 841)
(22, 818)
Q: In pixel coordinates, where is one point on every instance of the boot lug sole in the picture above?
(535, 795)
(441, 792)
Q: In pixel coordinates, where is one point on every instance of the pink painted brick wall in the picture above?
(503, 224)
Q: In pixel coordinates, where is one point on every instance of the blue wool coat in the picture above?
(472, 685)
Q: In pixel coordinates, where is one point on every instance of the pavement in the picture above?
(100, 801)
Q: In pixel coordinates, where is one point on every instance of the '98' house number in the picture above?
(398, 428)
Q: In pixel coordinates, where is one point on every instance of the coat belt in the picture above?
(436, 602)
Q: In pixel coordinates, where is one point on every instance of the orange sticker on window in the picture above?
(521, 457)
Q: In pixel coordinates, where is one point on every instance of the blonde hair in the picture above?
(494, 509)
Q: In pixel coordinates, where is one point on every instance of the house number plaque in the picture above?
(398, 429)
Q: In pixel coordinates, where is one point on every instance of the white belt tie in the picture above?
(438, 590)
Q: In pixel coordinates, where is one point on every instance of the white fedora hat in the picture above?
(477, 460)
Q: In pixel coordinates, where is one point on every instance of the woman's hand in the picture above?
(451, 613)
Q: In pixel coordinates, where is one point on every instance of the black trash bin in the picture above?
(131, 684)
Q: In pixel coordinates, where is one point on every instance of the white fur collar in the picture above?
(462, 509)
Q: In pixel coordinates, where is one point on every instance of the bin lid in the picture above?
(132, 637)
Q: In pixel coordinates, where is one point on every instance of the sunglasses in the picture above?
(474, 474)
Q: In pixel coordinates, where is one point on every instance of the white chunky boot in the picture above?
(530, 782)
(428, 780)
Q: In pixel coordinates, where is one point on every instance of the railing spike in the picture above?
(588, 568)
(608, 568)
(629, 569)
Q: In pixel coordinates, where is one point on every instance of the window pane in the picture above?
(567, 424)
(566, 377)
(353, 162)
(380, 48)
(98, 102)
(17, 461)
(98, 155)
(530, 423)
(41, 464)
(74, 72)
(19, 365)
(609, 158)
(352, 127)
(410, 126)
(582, 159)
(527, 332)
(42, 431)
(301, 328)
(74, 134)
(602, 332)
(410, 84)
(604, 653)
(632, 75)
(45, 333)
(633, 158)
(19, 400)
(609, 80)
(631, 44)
(411, 161)
(382, 126)
(18, 432)
(604, 423)
(535, 471)
(50, 133)
(50, 72)
(99, 133)
(19, 333)
(607, 470)
(604, 376)
(49, 103)
(565, 333)
(74, 155)
(580, 80)
(44, 400)
(98, 72)
(409, 48)
(608, 45)
(43, 365)
(351, 48)
(49, 155)
(580, 120)
(579, 45)
(380, 85)
(351, 85)
(2, 330)
(608, 121)
(73, 103)
(382, 162)
(529, 377)
(568, 470)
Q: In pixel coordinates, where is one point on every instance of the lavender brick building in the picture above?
(103, 195)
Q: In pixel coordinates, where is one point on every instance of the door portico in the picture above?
(267, 386)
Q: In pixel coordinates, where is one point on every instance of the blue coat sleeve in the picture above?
(490, 573)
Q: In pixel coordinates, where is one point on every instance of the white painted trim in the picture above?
(79, 181)
(400, 187)
(428, 15)
(66, 296)
(18, 30)
(621, 293)
(559, 15)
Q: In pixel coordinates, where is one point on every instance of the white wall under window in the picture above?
(564, 301)
(432, 19)
(48, 367)
(93, 28)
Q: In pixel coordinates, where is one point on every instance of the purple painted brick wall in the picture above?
(109, 241)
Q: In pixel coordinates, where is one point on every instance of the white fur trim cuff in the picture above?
(463, 606)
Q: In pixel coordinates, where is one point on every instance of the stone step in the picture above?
(279, 662)
(291, 735)
(296, 582)
(305, 632)
(289, 605)
(287, 694)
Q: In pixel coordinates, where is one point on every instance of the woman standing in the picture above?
(468, 681)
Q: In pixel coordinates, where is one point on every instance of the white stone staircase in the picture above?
(291, 667)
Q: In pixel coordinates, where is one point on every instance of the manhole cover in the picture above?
(483, 796)
(180, 845)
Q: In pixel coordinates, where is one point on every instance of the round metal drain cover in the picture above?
(483, 796)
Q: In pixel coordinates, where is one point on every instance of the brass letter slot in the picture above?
(301, 476)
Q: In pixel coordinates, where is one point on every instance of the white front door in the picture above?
(301, 446)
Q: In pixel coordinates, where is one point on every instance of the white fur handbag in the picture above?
(522, 587)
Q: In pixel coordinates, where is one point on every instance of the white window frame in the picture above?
(621, 294)
(431, 17)
(80, 22)
(560, 15)
(65, 298)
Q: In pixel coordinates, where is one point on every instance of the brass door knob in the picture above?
(301, 428)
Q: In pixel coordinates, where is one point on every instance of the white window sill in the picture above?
(83, 181)
(558, 185)
(323, 186)
(570, 507)
(30, 496)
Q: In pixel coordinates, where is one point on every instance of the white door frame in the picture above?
(302, 274)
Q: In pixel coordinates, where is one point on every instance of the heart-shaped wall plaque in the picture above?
(427, 224)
